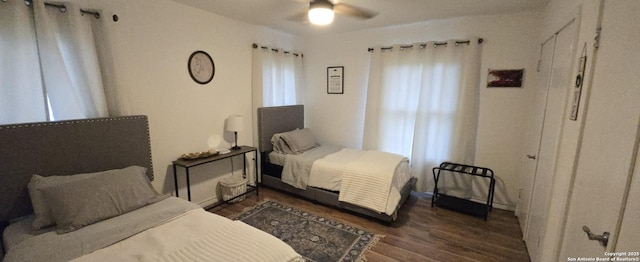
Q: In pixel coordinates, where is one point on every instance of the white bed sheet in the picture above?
(198, 236)
(46, 245)
(327, 172)
(326, 178)
(329, 169)
(170, 230)
(368, 181)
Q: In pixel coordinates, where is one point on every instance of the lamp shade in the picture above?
(235, 123)
(320, 13)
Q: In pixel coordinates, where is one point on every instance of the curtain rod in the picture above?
(63, 8)
(95, 14)
(423, 45)
(276, 50)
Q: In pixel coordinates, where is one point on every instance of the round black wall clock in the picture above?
(201, 67)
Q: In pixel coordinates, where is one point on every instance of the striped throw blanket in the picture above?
(198, 236)
(367, 181)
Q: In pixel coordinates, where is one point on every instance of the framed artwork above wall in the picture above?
(505, 77)
(335, 80)
(201, 67)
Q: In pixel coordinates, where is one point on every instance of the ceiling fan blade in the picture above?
(358, 12)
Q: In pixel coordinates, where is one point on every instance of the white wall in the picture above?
(150, 44)
(153, 40)
(510, 41)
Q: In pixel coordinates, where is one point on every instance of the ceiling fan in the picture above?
(321, 12)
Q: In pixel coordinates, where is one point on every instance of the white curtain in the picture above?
(277, 80)
(21, 96)
(69, 80)
(277, 77)
(422, 102)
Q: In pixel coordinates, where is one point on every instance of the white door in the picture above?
(554, 117)
(610, 140)
(534, 133)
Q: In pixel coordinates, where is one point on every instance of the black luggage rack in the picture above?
(460, 204)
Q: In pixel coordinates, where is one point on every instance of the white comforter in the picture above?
(370, 179)
(198, 236)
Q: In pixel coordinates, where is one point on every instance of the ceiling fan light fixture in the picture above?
(321, 13)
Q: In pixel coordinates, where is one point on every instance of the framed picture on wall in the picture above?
(335, 80)
(505, 77)
(201, 67)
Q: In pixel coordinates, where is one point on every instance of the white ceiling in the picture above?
(274, 13)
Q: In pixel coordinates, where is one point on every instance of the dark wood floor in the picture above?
(421, 233)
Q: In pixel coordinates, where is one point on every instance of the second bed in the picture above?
(371, 183)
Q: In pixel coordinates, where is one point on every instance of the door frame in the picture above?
(539, 134)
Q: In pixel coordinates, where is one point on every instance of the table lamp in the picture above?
(235, 124)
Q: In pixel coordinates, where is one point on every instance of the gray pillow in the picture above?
(43, 216)
(300, 140)
(84, 202)
(280, 145)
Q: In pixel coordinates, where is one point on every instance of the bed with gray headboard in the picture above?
(64, 148)
(93, 178)
(274, 120)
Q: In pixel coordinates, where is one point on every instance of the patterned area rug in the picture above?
(312, 236)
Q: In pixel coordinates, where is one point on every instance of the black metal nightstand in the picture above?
(189, 163)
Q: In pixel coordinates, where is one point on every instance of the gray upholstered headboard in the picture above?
(277, 119)
(66, 148)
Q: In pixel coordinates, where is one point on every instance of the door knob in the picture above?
(531, 156)
(604, 238)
